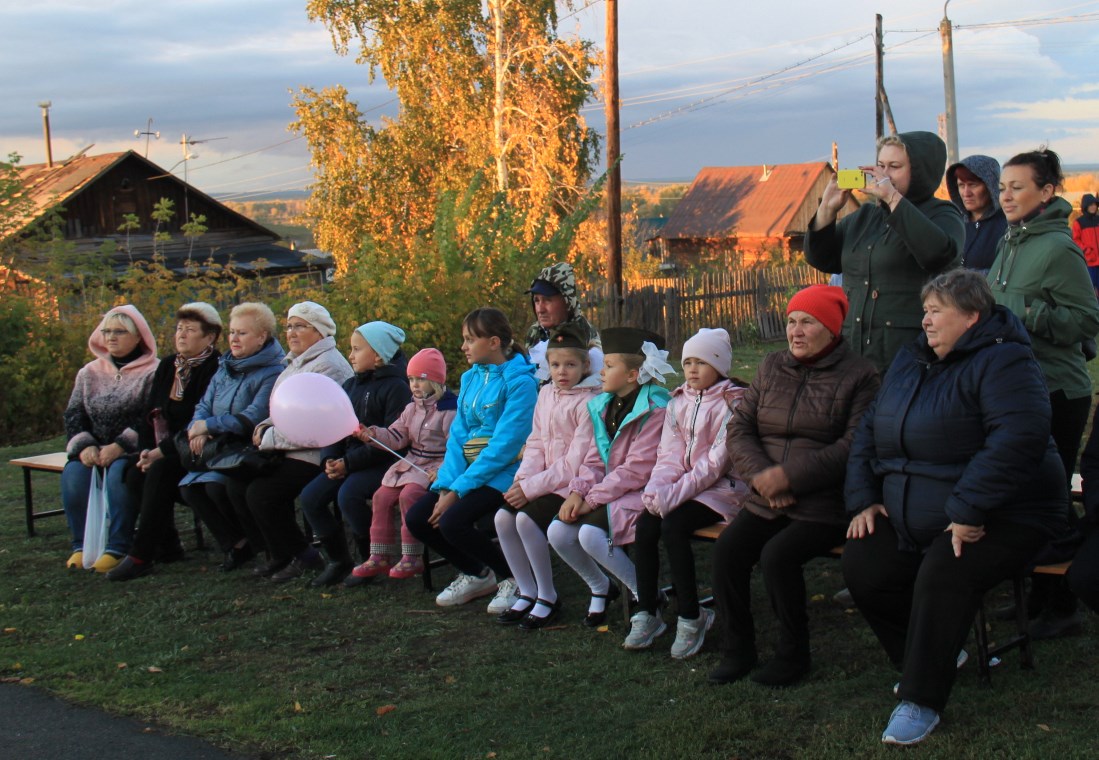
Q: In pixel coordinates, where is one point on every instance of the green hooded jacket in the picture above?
(886, 257)
(562, 277)
(1040, 275)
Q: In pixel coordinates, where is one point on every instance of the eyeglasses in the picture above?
(108, 334)
(298, 326)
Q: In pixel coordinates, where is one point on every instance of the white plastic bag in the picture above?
(95, 521)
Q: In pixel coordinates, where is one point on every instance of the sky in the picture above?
(703, 82)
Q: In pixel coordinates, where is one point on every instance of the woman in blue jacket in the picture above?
(236, 399)
(495, 416)
(953, 485)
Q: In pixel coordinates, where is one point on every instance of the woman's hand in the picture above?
(108, 454)
(862, 525)
(148, 456)
(771, 482)
(782, 500)
(335, 469)
(515, 497)
(257, 434)
(197, 443)
(964, 534)
(570, 510)
(831, 202)
(197, 429)
(879, 186)
(447, 499)
(89, 456)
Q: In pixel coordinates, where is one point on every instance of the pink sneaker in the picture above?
(408, 567)
(377, 564)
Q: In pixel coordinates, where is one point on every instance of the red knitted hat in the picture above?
(428, 364)
(825, 303)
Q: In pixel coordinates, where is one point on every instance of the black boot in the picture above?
(339, 560)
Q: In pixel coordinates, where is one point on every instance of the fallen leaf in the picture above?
(155, 669)
(17, 666)
(1043, 726)
(10, 630)
(79, 637)
(185, 647)
(491, 754)
(385, 709)
(555, 628)
(451, 679)
(298, 707)
(26, 680)
(603, 628)
(122, 666)
(326, 596)
(817, 598)
(9, 679)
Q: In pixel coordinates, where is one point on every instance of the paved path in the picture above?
(36, 726)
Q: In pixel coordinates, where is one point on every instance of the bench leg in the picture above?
(1022, 624)
(28, 500)
(980, 634)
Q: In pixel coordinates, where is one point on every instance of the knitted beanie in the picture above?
(203, 312)
(314, 314)
(428, 364)
(383, 337)
(825, 303)
(712, 347)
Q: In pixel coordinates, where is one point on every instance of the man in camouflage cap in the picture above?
(554, 301)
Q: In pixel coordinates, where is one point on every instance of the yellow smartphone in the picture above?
(850, 179)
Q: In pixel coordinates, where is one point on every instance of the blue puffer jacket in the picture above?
(496, 401)
(239, 393)
(963, 439)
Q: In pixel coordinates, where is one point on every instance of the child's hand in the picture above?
(432, 476)
(335, 469)
(570, 509)
(363, 434)
(515, 497)
(446, 500)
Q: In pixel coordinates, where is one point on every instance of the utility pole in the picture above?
(45, 106)
(614, 178)
(948, 87)
(879, 62)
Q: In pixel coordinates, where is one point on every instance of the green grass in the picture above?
(290, 672)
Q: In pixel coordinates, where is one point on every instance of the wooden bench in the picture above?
(55, 463)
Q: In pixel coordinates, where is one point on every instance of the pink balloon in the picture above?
(312, 410)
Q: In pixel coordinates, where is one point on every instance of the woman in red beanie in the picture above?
(789, 440)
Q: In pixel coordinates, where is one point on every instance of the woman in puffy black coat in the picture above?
(953, 485)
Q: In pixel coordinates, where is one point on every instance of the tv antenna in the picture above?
(148, 133)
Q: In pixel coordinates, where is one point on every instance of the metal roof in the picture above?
(744, 201)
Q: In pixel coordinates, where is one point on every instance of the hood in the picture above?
(562, 277)
(1052, 219)
(98, 346)
(516, 366)
(1086, 201)
(1000, 326)
(927, 155)
(271, 354)
(987, 170)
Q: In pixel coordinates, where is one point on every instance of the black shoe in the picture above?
(236, 557)
(297, 568)
(596, 619)
(513, 616)
(267, 569)
(127, 570)
(1049, 626)
(532, 622)
(334, 572)
(732, 668)
(781, 673)
(173, 553)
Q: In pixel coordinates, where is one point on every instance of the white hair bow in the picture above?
(538, 359)
(655, 365)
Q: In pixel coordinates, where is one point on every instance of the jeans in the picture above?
(121, 514)
(352, 494)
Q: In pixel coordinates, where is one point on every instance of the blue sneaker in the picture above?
(909, 724)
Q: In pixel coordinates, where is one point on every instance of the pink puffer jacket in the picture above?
(692, 463)
(423, 427)
(559, 439)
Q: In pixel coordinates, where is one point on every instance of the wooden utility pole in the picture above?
(879, 61)
(948, 87)
(614, 178)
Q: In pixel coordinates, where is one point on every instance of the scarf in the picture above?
(183, 371)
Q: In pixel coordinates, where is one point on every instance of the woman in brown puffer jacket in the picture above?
(789, 440)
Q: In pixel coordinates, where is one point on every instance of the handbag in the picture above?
(95, 519)
(226, 453)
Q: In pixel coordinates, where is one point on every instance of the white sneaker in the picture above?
(466, 588)
(689, 634)
(507, 593)
(644, 627)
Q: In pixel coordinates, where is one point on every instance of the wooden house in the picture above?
(755, 214)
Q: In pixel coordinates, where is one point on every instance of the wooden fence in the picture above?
(749, 303)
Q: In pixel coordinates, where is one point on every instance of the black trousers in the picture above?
(780, 547)
(269, 501)
(1068, 418)
(1083, 576)
(457, 538)
(921, 605)
(674, 531)
(155, 493)
(211, 502)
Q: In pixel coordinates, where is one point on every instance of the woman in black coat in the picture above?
(953, 485)
(180, 380)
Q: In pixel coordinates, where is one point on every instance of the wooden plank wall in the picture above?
(749, 303)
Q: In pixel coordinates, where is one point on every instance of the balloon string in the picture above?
(406, 460)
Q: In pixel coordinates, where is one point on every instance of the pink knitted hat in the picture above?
(428, 364)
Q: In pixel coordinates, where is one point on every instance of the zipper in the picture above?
(691, 431)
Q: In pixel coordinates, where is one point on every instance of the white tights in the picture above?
(585, 548)
(527, 552)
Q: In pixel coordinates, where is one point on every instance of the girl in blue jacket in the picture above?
(495, 415)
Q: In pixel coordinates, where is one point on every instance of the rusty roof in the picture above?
(743, 201)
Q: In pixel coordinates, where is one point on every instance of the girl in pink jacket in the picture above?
(690, 487)
(604, 500)
(552, 456)
(422, 428)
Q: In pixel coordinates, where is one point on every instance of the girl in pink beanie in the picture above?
(423, 428)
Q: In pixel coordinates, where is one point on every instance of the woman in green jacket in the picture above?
(1040, 274)
(890, 247)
